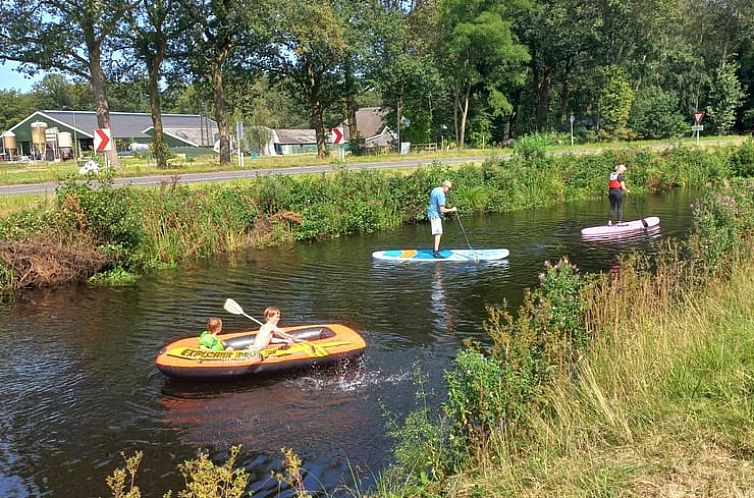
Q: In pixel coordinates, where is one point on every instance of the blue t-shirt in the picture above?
(436, 199)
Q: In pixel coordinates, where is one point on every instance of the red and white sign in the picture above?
(337, 136)
(103, 140)
(698, 116)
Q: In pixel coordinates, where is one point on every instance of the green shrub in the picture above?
(108, 214)
(742, 160)
(655, 114)
(490, 394)
(479, 400)
(532, 148)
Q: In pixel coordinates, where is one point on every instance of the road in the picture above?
(221, 176)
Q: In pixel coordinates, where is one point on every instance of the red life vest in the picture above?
(614, 181)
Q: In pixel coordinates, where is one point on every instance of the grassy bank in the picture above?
(631, 385)
(85, 230)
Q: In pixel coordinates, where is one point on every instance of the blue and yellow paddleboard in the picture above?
(447, 255)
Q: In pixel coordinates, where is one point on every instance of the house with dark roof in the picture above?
(370, 122)
(181, 130)
(294, 141)
(372, 127)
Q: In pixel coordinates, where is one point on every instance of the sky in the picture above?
(10, 79)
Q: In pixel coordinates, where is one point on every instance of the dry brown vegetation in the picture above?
(47, 264)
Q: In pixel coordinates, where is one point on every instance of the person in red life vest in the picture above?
(617, 186)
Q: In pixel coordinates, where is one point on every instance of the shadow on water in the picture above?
(79, 362)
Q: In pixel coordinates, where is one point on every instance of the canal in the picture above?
(80, 386)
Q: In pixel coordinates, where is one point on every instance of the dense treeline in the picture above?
(476, 71)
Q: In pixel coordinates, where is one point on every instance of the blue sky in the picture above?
(12, 79)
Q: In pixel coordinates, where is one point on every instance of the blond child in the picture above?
(269, 331)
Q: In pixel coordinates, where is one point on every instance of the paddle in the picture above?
(476, 256)
(234, 308)
(643, 221)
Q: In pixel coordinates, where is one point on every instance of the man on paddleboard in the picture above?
(435, 211)
(617, 186)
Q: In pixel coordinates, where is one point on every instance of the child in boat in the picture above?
(269, 331)
(209, 339)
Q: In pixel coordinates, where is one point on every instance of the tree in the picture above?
(72, 37)
(54, 91)
(309, 55)
(558, 36)
(212, 32)
(655, 114)
(480, 50)
(725, 97)
(148, 22)
(615, 103)
(129, 95)
(404, 66)
(15, 106)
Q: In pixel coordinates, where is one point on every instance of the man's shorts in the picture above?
(436, 226)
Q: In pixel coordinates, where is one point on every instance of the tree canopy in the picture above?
(475, 71)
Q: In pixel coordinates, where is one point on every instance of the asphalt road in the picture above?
(221, 176)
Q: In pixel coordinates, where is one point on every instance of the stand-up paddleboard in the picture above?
(447, 255)
(621, 228)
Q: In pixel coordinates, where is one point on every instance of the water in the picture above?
(80, 386)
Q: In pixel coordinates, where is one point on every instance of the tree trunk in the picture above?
(218, 91)
(319, 128)
(158, 141)
(353, 131)
(456, 106)
(565, 95)
(464, 116)
(99, 91)
(543, 99)
(398, 118)
(315, 105)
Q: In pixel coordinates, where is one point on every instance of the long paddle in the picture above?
(234, 308)
(476, 256)
(643, 221)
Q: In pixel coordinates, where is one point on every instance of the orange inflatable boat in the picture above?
(319, 344)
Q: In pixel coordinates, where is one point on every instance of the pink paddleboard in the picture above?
(629, 226)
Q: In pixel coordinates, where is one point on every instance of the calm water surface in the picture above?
(79, 383)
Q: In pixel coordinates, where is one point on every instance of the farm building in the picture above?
(52, 134)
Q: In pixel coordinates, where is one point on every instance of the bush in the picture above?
(490, 394)
(742, 160)
(532, 148)
(655, 114)
(107, 214)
